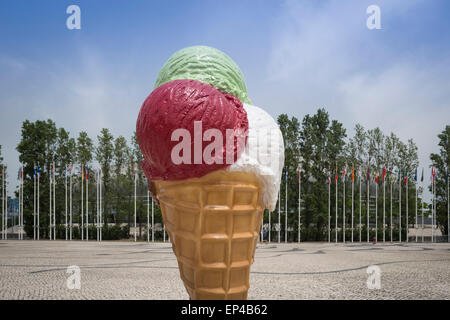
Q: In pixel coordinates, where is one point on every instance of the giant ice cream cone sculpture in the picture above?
(214, 164)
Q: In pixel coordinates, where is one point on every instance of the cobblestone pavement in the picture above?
(128, 270)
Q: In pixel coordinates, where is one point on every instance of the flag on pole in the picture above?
(384, 173)
(399, 174)
(415, 175)
(329, 176)
(38, 171)
(70, 170)
(336, 177)
(87, 173)
(353, 174)
(376, 177)
(405, 179)
(343, 175)
(299, 176)
(433, 172)
(421, 179)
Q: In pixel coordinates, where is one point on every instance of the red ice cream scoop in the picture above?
(187, 128)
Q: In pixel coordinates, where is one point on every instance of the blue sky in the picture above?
(296, 56)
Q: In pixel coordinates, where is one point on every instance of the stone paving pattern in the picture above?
(128, 270)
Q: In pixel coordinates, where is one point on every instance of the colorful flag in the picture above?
(336, 177)
(433, 172)
(82, 173)
(399, 174)
(329, 176)
(18, 174)
(38, 171)
(53, 168)
(384, 173)
(70, 169)
(87, 173)
(343, 175)
(353, 174)
(376, 177)
(415, 175)
(405, 178)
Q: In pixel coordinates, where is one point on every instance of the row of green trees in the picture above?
(317, 144)
(43, 144)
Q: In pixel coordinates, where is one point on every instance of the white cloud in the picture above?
(324, 56)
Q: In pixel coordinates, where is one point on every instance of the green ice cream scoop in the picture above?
(208, 65)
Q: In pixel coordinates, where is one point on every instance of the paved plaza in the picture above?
(128, 270)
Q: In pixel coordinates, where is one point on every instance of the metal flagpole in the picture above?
(376, 207)
(19, 207)
(329, 205)
(368, 202)
(406, 196)
(65, 192)
(54, 202)
(135, 189)
(3, 203)
(279, 215)
(384, 204)
(421, 205)
(448, 211)
(97, 174)
(101, 204)
(148, 215)
(153, 222)
(34, 202)
(286, 210)
(353, 183)
(21, 203)
(87, 202)
(82, 204)
(416, 225)
(343, 207)
(432, 204)
(336, 225)
(400, 205)
(299, 199)
(21, 212)
(51, 202)
(360, 205)
(392, 227)
(38, 229)
(6, 207)
(70, 200)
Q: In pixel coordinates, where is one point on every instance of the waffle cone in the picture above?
(213, 223)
